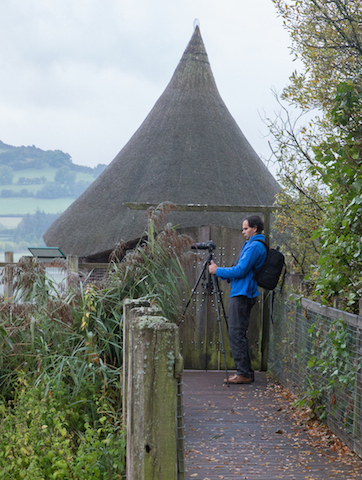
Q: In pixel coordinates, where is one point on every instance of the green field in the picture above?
(22, 206)
(48, 173)
(14, 206)
(19, 188)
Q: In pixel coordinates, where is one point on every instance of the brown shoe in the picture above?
(235, 379)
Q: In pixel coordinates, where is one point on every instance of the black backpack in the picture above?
(268, 275)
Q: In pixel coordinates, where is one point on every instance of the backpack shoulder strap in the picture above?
(267, 251)
(262, 241)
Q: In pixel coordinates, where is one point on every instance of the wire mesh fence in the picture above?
(316, 352)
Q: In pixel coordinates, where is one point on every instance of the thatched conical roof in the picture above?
(189, 149)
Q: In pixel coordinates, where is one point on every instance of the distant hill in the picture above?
(35, 187)
(29, 172)
(21, 158)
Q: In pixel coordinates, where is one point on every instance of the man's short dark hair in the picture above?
(255, 221)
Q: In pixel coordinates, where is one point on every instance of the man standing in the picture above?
(243, 293)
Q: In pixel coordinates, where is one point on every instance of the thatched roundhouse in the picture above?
(189, 149)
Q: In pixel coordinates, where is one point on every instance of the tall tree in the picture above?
(327, 38)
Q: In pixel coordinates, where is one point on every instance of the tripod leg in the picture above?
(196, 284)
(222, 303)
(214, 281)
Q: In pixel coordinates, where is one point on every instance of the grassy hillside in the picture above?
(32, 179)
(19, 203)
(37, 183)
(49, 173)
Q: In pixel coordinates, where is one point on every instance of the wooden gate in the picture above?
(199, 329)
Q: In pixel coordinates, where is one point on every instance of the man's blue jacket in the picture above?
(252, 255)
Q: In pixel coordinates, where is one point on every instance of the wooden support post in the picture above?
(265, 302)
(73, 269)
(8, 285)
(265, 299)
(357, 423)
(266, 215)
(73, 263)
(131, 309)
(153, 367)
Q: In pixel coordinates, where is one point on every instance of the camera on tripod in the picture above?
(210, 246)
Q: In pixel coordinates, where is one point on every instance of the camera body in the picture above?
(210, 246)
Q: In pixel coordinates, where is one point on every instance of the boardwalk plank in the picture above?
(246, 432)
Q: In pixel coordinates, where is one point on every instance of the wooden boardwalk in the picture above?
(247, 432)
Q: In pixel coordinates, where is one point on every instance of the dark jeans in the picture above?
(239, 318)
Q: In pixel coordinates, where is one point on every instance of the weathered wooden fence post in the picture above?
(73, 269)
(8, 279)
(131, 309)
(153, 368)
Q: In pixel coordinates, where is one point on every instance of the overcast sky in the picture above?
(81, 75)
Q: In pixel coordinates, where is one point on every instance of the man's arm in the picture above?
(246, 262)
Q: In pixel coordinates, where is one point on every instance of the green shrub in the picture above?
(38, 438)
(61, 360)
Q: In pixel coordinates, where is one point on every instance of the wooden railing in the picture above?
(72, 264)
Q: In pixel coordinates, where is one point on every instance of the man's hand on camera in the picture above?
(212, 267)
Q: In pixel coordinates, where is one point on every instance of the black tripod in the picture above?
(214, 289)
